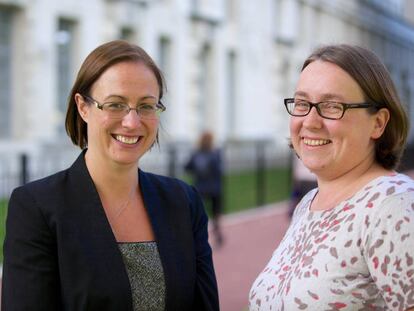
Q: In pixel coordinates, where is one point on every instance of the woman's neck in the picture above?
(113, 178)
(332, 191)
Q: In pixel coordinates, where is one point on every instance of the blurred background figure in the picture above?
(303, 181)
(206, 169)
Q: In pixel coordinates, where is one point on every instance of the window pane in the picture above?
(127, 34)
(231, 93)
(165, 63)
(5, 72)
(64, 41)
(205, 94)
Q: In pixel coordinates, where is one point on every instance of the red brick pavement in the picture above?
(250, 239)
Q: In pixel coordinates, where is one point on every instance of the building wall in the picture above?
(228, 63)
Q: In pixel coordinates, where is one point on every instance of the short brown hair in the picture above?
(377, 86)
(99, 60)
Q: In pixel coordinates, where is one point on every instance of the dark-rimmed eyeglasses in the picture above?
(327, 109)
(118, 110)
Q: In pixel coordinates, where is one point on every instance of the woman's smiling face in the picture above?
(330, 148)
(125, 140)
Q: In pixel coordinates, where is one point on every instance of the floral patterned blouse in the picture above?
(358, 255)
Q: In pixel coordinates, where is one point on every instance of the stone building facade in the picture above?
(228, 63)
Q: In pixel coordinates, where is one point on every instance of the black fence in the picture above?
(255, 156)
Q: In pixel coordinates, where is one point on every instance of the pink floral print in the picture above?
(358, 255)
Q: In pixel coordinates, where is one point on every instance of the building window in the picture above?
(127, 34)
(210, 11)
(5, 72)
(231, 93)
(165, 64)
(65, 57)
(205, 88)
(231, 7)
(286, 18)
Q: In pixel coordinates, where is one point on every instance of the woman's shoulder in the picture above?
(38, 199)
(48, 184)
(399, 190)
(52, 183)
(399, 178)
(384, 191)
(392, 184)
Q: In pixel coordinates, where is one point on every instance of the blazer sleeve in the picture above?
(30, 274)
(206, 293)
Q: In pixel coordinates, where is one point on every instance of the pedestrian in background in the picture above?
(206, 168)
(349, 245)
(103, 234)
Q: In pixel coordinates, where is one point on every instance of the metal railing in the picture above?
(169, 160)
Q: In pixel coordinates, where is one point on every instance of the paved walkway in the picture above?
(250, 239)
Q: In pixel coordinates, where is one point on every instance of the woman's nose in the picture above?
(132, 119)
(313, 119)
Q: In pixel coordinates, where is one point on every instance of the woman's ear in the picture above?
(83, 107)
(381, 119)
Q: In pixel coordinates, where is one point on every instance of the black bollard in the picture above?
(260, 172)
(24, 173)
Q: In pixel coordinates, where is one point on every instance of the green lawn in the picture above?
(240, 189)
(3, 212)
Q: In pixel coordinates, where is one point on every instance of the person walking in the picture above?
(205, 166)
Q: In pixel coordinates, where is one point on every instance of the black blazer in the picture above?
(60, 252)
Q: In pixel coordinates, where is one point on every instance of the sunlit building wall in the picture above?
(228, 63)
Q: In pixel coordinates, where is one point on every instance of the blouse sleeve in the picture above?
(30, 278)
(389, 250)
(206, 295)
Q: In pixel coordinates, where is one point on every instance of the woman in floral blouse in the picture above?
(351, 240)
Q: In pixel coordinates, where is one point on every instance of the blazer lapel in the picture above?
(168, 211)
(95, 235)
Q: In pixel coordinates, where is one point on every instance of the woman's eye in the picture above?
(148, 107)
(115, 106)
(301, 104)
(332, 106)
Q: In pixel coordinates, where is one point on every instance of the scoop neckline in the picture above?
(136, 242)
(341, 203)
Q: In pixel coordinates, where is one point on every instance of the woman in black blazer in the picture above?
(104, 235)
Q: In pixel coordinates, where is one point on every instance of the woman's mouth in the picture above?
(316, 142)
(129, 140)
